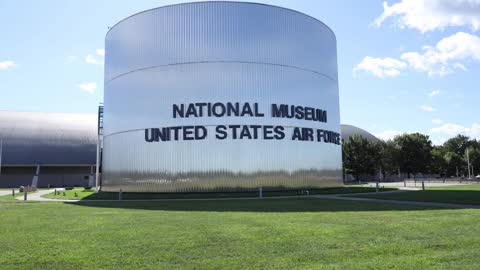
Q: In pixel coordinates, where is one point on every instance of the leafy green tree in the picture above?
(457, 144)
(438, 163)
(361, 156)
(456, 154)
(414, 152)
(389, 157)
(474, 154)
(454, 162)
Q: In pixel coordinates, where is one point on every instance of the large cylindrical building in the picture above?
(220, 96)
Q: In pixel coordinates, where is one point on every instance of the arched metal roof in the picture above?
(349, 130)
(48, 138)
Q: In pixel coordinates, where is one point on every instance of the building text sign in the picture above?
(243, 132)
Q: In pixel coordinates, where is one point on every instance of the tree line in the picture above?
(410, 154)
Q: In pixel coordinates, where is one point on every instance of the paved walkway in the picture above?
(37, 197)
(7, 192)
(418, 183)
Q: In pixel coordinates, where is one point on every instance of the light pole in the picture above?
(97, 166)
(468, 165)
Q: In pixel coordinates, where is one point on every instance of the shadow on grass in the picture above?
(91, 195)
(258, 205)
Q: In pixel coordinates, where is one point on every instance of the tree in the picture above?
(474, 155)
(457, 144)
(361, 156)
(454, 163)
(415, 152)
(456, 154)
(389, 157)
(438, 163)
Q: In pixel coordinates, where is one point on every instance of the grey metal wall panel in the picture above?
(220, 31)
(48, 138)
(217, 52)
(349, 131)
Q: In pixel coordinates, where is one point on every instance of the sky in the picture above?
(404, 65)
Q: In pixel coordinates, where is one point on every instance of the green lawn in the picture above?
(7, 197)
(82, 194)
(236, 234)
(462, 194)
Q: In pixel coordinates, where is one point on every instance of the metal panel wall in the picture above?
(218, 52)
(47, 138)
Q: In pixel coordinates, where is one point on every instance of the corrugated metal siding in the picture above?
(217, 52)
(220, 32)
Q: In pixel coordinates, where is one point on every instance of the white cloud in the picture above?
(90, 59)
(7, 64)
(99, 60)
(88, 87)
(451, 130)
(438, 140)
(427, 108)
(434, 93)
(445, 57)
(448, 55)
(459, 66)
(381, 67)
(437, 121)
(429, 15)
(101, 52)
(388, 134)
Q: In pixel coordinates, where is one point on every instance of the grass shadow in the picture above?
(91, 195)
(257, 205)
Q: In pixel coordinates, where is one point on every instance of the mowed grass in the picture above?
(83, 194)
(236, 234)
(461, 194)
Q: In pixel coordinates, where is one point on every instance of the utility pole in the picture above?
(468, 165)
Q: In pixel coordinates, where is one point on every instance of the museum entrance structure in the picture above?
(220, 96)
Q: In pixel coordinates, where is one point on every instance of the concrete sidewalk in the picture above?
(37, 195)
(4, 192)
(418, 184)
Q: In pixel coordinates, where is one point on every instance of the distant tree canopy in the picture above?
(457, 144)
(361, 156)
(414, 152)
(411, 154)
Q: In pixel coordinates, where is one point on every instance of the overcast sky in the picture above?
(404, 65)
